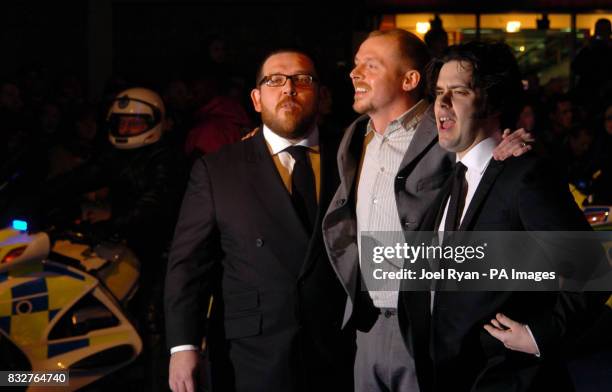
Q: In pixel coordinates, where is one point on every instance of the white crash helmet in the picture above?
(136, 118)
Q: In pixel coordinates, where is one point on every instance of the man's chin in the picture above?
(448, 145)
(360, 107)
(291, 130)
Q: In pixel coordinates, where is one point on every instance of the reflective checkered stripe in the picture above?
(31, 297)
(64, 347)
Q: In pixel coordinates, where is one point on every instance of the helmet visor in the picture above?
(124, 125)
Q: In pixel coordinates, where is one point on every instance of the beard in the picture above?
(289, 124)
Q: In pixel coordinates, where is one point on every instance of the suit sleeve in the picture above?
(191, 266)
(545, 204)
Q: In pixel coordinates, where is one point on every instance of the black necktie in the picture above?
(303, 187)
(457, 198)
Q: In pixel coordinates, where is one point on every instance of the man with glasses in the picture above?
(248, 233)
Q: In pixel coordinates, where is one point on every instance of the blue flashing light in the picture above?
(20, 225)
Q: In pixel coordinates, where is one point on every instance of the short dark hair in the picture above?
(259, 75)
(495, 77)
(412, 49)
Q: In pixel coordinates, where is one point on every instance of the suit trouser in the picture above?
(383, 364)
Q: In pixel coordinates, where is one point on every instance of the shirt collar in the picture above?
(479, 156)
(278, 143)
(406, 120)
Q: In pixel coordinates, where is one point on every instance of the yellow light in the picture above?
(422, 27)
(521, 48)
(513, 26)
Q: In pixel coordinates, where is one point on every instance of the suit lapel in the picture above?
(424, 135)
(487, 181)
(339, 223)
(348, 159)
(276, 212)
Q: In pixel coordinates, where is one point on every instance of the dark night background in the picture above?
(63, 62)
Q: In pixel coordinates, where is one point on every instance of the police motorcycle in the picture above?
(61, 304)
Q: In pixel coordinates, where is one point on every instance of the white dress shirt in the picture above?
(476, 161)
(278, 144)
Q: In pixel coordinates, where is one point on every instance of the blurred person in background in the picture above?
(591, 68)
(436, 38)
(560, 118)
(75, 145)
(529, 117)
(602, 183)
(178, 98)
(23, 163)
(580, 160)
(218, 120)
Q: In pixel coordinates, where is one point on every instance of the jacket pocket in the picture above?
(243, 326)
(242, 315)
(235, 303)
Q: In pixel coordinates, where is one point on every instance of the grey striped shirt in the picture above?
(376, 207)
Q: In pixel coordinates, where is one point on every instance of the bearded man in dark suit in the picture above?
(249, 231)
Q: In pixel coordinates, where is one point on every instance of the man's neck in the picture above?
(382, 118)
(488, 129)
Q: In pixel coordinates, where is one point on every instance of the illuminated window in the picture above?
(422, 27)
(513, 26)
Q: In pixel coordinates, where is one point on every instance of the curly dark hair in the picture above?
(495, 78)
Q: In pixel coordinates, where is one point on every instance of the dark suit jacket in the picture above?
(278, 303)
(424, 169)
(452, 350)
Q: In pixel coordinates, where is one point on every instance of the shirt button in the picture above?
(259, 242)
(375, 201)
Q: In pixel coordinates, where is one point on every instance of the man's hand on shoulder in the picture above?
(185, 372)
(513, 144)
(250, 134)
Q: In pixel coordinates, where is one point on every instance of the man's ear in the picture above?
(411, 80)
(256, 98)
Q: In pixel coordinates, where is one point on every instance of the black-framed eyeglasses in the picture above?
(279, 80)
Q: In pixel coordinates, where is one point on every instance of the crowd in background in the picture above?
(50, 126)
